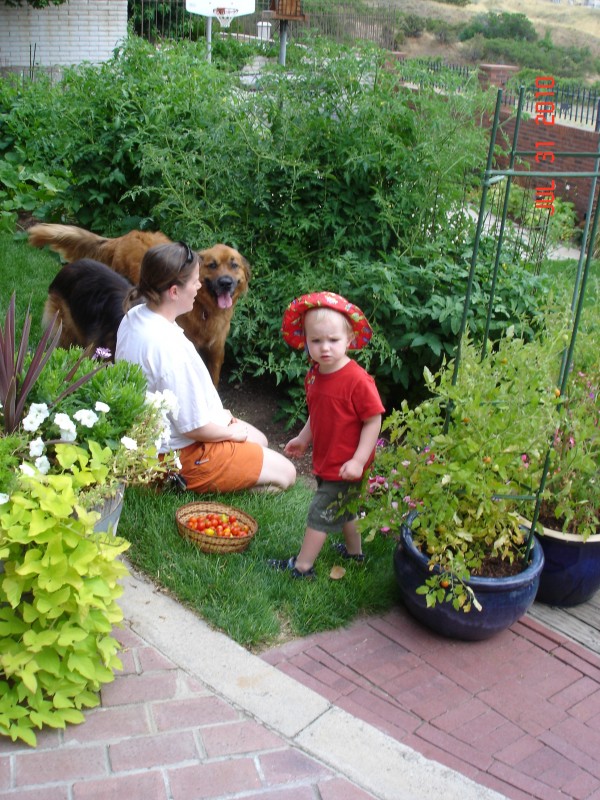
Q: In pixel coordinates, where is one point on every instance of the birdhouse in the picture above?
(287, 9)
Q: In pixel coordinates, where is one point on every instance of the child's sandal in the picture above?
(290, 564)
(341, 548)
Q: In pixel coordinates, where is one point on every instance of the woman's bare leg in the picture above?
(277, 471)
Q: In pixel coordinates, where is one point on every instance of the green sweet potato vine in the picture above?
(58, 593)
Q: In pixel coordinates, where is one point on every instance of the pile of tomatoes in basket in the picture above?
(215, 524)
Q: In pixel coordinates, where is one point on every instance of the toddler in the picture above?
(343, 424)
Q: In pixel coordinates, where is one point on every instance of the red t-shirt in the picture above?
(338, 404)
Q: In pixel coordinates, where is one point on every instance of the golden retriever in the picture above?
(224, 275)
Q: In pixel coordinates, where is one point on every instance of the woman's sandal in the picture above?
(290, 564)
(341, 548)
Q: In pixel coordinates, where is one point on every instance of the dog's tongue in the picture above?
(225, 301)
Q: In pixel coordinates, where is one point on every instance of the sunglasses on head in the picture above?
(189, 259)
(189, 254)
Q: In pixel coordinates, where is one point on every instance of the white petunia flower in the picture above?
(167, 401)
(38, 412)
(4, 498)
(27, 469)
(36, 447)
(43, 465)
(67, 427)
(101, 407)
(86, 417)
(177, 462)
(129, 443)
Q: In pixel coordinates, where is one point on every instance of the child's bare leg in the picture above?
(352, 538)
(312, 545)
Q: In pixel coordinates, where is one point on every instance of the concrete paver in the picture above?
(383, 710)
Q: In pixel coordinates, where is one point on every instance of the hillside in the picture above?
(570, 25)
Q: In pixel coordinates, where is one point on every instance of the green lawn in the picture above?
(238, 592)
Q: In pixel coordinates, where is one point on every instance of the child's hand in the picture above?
(352, 470)
(296, 447)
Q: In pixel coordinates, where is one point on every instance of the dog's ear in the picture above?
(246, 266)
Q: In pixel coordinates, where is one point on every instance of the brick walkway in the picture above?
(162, 735)
(194, 716)
(382, 710)
(519, 713)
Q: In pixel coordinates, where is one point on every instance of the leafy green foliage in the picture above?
(503, 25)
(58, 604)
(559, 227)
(543, 56)
(24, 189)
(163, 20)
(467, 457)
(415, 305)
(121, 386)
(335, 176)
(19, 372)
(571, 498)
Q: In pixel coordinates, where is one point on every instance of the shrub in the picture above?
(516, 27)
(330, 176)
(414, 303)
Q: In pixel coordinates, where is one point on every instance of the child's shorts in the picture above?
(221, 466)
(326, 512)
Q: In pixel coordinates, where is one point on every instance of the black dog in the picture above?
(88, 297)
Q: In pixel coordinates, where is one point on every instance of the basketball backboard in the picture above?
(207, 7)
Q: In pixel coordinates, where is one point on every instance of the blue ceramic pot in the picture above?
(503, 600)
(571, 573)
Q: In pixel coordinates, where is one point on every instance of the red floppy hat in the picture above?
(292, 326)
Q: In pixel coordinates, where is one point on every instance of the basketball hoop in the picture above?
(225, 15)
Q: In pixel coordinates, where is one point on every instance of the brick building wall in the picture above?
(567, 139)
(79, 30)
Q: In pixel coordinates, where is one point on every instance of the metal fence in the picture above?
(156, 19)
(578, 105)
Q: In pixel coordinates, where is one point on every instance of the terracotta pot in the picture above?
(571, 573)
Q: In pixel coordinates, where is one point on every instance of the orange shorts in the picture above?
(221, 466)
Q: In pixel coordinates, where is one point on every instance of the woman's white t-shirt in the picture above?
(169, 360)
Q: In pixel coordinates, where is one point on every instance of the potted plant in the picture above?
(72, 430)
(452, 480)
(569, 509)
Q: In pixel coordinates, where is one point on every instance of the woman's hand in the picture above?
(238, 431)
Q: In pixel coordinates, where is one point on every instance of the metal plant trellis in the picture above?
(490, 178)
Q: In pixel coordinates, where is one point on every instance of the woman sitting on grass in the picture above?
(218, 452)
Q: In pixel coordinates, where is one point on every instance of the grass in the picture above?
(28, 272)
(238, 593)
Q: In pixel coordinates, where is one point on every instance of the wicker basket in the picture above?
(214, 544)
